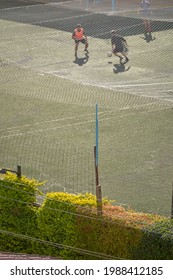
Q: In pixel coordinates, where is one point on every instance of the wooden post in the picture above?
(19, 173)
(99, 200)
(98, 187)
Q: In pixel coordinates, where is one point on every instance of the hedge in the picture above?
(17, 213)
(72, 220)
(68, 226)
(156, 242)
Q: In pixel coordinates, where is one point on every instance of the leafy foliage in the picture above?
(73, 227)
(157, 242)
(17, 213)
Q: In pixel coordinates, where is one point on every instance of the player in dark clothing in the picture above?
(119, 46)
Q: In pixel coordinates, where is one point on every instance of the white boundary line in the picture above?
(59, 19)
(139, 85)
(35, 5)
(51, 121)
(44, 21)
(80, 116)
(76, 124)
(109, 86)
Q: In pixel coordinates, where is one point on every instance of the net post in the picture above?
(19, 172)
(98, 188)
(114, 5)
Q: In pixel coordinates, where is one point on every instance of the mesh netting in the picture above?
(48, 98)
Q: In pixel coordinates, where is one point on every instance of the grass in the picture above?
(48, 115)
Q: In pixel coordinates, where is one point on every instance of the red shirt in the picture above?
(78, 34)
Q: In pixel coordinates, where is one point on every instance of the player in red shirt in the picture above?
(79, 36)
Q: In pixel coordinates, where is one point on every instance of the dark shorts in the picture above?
(117, 50)
(80, 41)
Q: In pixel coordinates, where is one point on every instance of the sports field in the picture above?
(48, 100)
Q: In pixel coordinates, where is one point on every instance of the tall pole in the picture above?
(98, 187)
(113, 5)
(97, 135)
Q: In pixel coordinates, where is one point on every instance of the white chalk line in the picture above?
(76, 124)
(51, 121)
(80, 116)
(144, 84)
(46, 21)
(31, 6)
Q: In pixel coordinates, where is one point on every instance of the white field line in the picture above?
(81, 116)
(75, 124)
(50, 20)
(36, 5)
(145, 84)
(52, 73)
(20, 7)
(51, 121)
(59, 19)
(64, 4)
(113, 86)
(159, 7)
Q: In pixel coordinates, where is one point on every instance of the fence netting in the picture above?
(37, 64)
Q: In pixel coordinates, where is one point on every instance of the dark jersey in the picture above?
(118, 41)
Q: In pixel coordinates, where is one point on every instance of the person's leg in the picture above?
(76, 47)
(125, 55)
(85, 42)
(148, 26)
(86, 46)
(118, 55)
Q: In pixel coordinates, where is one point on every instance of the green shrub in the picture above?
(71, 224)
(17, 213)
(72, 220)
(157, 242)
(56, 220)
(106, 236)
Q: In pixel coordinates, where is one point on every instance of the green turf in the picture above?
(48, 115)
(53, 139)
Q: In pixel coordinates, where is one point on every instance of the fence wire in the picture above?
(63, 167)
(135, 152)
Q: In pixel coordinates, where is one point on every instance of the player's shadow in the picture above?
(81, 60)
(148, 37)
(120, 68)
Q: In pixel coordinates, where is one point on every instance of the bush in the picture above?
(56, 220)
(72, 220)
(108, 237)
(17, 213)
(68, 226)
(157, 242)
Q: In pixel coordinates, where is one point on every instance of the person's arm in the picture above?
(73, 34)
(85, 36)
(124, 41)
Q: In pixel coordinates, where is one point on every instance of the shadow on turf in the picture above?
(81, 60)
(43, 15)
(148, 37)
(120, 68)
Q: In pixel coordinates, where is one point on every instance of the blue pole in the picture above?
(97, 135)
(113, 5)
